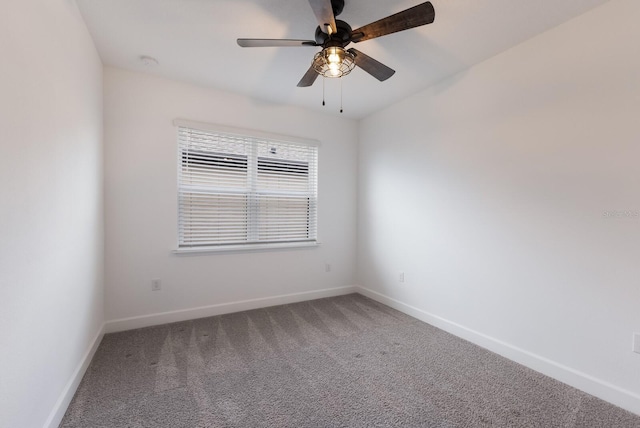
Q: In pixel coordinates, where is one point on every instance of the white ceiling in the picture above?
(195, 41)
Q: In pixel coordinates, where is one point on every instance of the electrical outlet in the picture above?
(636, 343)
(401, 277)
(327, 267)
(156, 285)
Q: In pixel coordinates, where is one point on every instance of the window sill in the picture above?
(244, 248)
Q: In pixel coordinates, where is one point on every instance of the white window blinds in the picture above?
(235, 189)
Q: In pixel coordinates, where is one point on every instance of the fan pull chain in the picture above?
(341, 95)
(323, 79)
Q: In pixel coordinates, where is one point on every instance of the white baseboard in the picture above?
(56, 415)
(223, 308)
(604, 390)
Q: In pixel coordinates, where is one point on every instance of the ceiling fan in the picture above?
(333, 35)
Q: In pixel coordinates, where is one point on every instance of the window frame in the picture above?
(244, 134)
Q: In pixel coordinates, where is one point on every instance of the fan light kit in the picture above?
(334, 62)
(333, 35)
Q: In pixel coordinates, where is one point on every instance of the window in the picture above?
(236, 189)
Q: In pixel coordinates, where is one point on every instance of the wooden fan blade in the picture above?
(309, 77)
(413, 17)
(371, 66)
(324, 14)
(274, 43)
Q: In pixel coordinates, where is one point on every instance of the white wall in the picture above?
(489, 190)
(51, 227)
(141, 202)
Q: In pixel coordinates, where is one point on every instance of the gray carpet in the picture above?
(339, 362)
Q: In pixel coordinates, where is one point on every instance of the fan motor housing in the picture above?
(340, 38)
